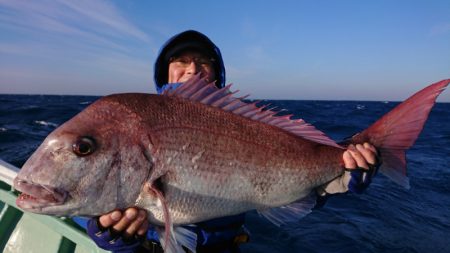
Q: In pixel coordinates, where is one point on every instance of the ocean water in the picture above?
(386, 218)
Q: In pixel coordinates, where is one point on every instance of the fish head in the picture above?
(92, 164)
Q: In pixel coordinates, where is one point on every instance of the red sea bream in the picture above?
(197, 153)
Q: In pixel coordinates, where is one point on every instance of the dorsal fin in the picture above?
(197, 89)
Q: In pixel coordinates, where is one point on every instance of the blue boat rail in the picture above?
(27, 232)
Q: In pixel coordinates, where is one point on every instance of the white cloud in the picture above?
(105, 13)
(94, 21)
(52, 42)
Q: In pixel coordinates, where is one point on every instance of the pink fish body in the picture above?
(197, 153)
(223, 164)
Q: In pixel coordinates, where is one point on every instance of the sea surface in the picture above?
(386, 218)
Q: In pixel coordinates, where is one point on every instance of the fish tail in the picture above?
(396, 131)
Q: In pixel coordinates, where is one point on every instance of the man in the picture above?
(183, 56)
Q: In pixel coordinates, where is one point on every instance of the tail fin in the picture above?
(397, 131)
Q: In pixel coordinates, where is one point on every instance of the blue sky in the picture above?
(332, 50)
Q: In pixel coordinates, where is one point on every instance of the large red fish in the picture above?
(197, 153)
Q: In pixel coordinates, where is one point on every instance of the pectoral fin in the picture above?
(171, 238)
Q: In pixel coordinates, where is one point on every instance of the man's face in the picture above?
(189, 63)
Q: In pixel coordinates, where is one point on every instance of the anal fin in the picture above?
(291, 212)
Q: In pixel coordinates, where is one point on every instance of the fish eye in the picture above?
(84, 146)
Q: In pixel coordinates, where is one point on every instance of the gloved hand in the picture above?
(361, 178)
(113, 235)
(361, 164)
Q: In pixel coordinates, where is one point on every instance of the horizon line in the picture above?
(252, 99)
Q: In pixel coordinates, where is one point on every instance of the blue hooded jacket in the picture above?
(221, 229)
(188, 40)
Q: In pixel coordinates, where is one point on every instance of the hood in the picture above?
(188, 40)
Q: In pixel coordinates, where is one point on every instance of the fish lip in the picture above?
(37, 196)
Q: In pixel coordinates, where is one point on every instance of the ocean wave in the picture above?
(2, 129)
(45, 123)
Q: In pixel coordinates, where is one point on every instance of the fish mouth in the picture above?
(34, 197)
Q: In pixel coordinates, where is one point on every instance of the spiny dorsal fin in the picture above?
(197, 89)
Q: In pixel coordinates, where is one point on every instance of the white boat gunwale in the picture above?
(72, 235)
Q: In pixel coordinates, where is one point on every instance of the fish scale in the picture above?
(253, 161)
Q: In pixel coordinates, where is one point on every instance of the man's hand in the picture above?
(360, 156)
(361, 164)
(131, 222)
(119, 230)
